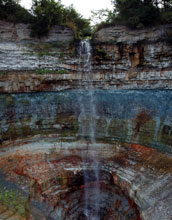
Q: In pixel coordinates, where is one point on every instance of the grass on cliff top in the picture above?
(47, 71)
(47, 46)
(53, 49)
(3, 73)
(135, 14)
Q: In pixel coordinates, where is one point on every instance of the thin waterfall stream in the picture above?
(87, 119)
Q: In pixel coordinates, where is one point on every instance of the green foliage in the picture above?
(47, 71)
(100, 54)
(168, 37)
(13, 200)
(3, 73)
(98, 15)
(43, 15)
(47, 47)
(48, 13)
(136, 13)
(139, 13)
(73, 19)
(58, 49)
(166, 16)
(10, 10)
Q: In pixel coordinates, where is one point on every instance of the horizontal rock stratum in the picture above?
(121, 59)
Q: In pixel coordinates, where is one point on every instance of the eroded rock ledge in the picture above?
(134, 116)
(20, 33)
(50, 172)
(121, 59)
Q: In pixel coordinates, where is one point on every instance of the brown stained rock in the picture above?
(136, 60)
(141, 118)
(132, 167)
(136, 55)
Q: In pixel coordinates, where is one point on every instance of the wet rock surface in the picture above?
(135, 181)
(45, 165)
(135, 116)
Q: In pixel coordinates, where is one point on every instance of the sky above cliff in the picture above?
(83, 7)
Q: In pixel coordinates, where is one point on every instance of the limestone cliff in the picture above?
(43, 157)
(122, 59)
(134, 58)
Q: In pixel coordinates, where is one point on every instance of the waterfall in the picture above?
(87, 121)
(88, 110)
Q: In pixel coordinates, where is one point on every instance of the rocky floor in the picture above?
(46, 180)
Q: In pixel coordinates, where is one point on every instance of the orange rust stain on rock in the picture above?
(136, 55)
(71, 159)
(142, 149)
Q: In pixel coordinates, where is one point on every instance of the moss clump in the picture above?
(14, 200)
(48, 49)
(3, 73)
(47, 71)
(54, 49)
(9, 100)
(100, 54)
(168, 37)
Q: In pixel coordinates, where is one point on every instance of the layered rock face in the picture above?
(137, 59)
(44, 155)
(121, 59)
(141, 117)
(18, 33)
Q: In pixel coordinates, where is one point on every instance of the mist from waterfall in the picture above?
(87, 121)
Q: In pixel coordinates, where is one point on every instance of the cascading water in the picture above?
(87, 119)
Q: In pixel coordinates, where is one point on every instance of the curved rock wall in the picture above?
(142, 117)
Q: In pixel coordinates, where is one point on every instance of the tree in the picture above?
(48, 13)
(74, 19)
(10, 10)
(136, 13)
(102, 15)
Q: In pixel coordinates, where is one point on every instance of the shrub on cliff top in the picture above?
(11, 11)
(48, 13)
(139, 13)
(136, 13)
(43, 15)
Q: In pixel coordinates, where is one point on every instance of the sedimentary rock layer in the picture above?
(121, 59)
(135, 116)
(135, 181)
(19, 32)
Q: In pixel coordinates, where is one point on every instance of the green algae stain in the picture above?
(147, 131)
(13, 200)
